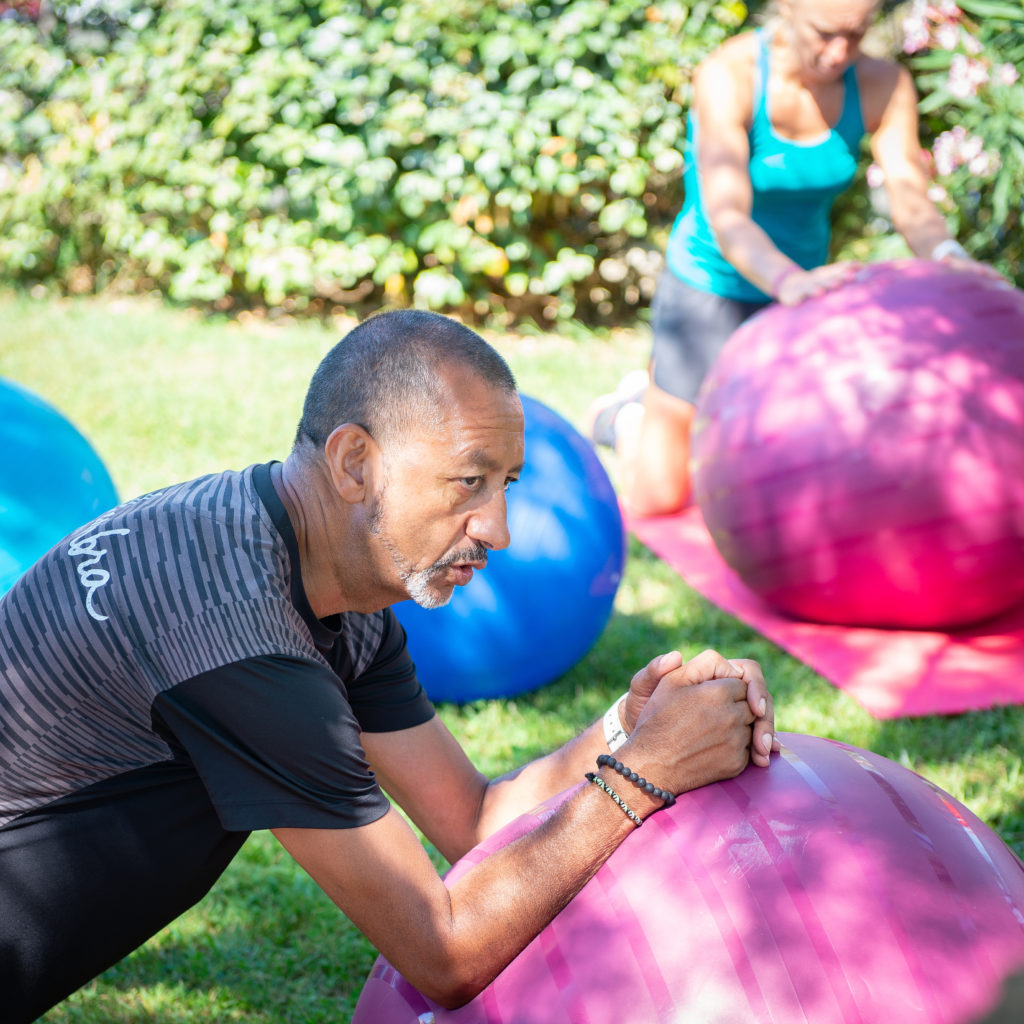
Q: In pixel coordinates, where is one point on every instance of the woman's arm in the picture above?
(723, 100)
(897, 151)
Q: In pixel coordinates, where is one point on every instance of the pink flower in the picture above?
(947, 35)
(957, 148)
(915, 37)
(945, 150)
(1007, 74)
(966, 76)
(875, 176)
(984, 164)
(969, 43)
(936, 24)
(916, 31)
(970, 149)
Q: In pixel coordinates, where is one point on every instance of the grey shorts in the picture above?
(691, 327)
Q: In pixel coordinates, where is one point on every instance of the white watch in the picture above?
(614, 732)
(949, 247)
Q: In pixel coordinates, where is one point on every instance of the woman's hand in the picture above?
(794, 286)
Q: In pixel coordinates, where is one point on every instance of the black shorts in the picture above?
(691, 327)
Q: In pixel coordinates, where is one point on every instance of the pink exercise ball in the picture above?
(834, 887)
(859, 458)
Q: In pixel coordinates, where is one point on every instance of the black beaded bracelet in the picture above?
(607, 761)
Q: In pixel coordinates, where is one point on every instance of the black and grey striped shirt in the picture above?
(164, 683)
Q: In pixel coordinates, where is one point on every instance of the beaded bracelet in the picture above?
(601, 784)
(607, 761)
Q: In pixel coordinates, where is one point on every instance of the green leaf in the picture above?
(994, 9)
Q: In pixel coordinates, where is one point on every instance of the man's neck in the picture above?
(333, 560)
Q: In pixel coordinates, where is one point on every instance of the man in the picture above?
(220, 656)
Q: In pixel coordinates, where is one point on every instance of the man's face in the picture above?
(442, 508)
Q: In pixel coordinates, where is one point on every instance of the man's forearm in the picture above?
(521, 790)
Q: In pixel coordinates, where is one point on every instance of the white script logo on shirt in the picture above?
(89, 574)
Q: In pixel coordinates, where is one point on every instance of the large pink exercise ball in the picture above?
(542, 603)
(834, 887)
(859, 458)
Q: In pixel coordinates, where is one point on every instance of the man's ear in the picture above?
(352, 458)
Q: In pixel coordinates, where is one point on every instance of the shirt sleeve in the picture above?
(276, 743)
(387, 695)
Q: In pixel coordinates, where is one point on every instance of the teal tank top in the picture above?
(794, 187)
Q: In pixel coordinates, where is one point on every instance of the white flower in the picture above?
(966, 76)
(915, 32)
(875, 176)
(944, 151)
(1007, 74)
(984, 164)
(958, 148)
(969, 43)
(947, 35)
(970, 148)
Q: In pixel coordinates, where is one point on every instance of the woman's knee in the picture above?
(658, 482)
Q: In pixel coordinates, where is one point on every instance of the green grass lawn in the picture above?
(166, 395)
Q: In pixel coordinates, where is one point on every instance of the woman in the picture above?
(774, 135)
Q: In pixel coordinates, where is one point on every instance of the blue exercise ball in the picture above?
(52, 482)
(540, 604)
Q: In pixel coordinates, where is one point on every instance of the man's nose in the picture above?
(488, 524)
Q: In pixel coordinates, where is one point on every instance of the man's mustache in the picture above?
(477, 553)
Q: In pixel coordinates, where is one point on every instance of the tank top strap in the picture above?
(762, 66)
(850, 126)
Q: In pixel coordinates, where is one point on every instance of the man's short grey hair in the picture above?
(385, 375)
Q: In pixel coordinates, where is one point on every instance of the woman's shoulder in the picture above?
(738, 53)
(730, 68)
(878, 80)
(878, 72)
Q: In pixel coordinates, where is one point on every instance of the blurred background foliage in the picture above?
(501, 160)
(967, 58)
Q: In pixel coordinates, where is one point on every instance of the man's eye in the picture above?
(510, 481)
(472, 483)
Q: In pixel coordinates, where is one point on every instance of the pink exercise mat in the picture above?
(889, 672)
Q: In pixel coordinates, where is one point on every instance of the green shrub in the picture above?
(498, 159)
(968, 67)
(966, 60)
(478, 156)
